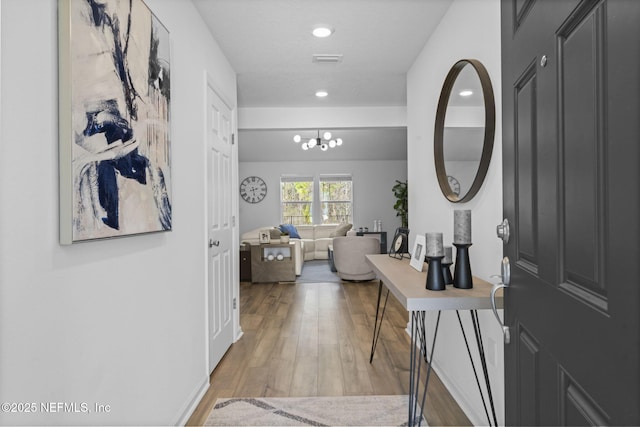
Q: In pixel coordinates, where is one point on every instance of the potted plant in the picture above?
(284, 237)
(402, 205)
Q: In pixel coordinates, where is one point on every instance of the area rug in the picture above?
(311, 411)
(317, 271)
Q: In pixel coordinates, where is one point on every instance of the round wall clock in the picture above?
(454, 185)
(253, 189)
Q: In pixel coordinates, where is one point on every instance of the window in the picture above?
(296, 196)
(304, 198)
(336, 195)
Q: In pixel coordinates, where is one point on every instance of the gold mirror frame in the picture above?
(489, 130)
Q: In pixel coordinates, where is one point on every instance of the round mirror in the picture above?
(464, 130)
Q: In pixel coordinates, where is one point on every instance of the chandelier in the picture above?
(324, 143)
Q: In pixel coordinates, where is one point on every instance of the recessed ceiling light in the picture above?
(466, 92)
(322, 32)
(321, 93)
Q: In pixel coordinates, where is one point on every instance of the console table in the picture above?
(381, 235)
(266, 267)
(408, 286)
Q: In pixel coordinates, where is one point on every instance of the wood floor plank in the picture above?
(279, 378)
(354, 369)
(253, 382)
(330, 378)
(314, 339)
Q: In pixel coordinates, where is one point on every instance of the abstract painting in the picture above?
(115, 164)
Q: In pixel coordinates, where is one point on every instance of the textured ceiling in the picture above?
(270, 46)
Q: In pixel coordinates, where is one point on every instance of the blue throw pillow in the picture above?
(289, 228)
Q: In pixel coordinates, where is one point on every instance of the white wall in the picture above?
(118, 322)
(470, 29)
(373, 180)
(372, 194)
(319, 117)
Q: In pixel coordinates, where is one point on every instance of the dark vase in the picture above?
(462, 278)
(435, 279)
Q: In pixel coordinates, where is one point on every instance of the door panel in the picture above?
(581, 84)
(220, 212)
(577, 407)
(521, 8)
(528, 372)
(525, 109)
(570, 127)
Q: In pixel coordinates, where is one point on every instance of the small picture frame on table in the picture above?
(418, 252)
(265, 236)
(399, 241)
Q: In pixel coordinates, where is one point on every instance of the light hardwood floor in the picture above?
(314, 339)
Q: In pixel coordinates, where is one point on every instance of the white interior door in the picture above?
(220, 213)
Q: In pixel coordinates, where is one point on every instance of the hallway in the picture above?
(314, 339)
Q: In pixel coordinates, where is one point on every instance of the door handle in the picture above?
(505, 278)
(502, 230)
(213, 243)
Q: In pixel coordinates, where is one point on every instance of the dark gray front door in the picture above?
(571, 156)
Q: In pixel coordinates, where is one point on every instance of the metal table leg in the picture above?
(376, 326)
(419, 344)
(483, 361)
(419, 351)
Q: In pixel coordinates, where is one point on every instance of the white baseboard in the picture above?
(193, 402)
(463, 400)
(197, 395)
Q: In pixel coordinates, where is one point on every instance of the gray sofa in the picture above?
(313, 243)
(317, 239)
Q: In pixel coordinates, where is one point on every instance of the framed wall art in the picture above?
(114, 113)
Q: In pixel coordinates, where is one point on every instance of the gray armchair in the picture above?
(348, 257)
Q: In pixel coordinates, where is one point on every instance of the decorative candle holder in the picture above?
(434, 245)
(435, 278)
(462, 278)
(462, 226)
(446, 273)
(446, 265)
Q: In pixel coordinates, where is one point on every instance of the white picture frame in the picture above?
(265, 236)
(418, 252)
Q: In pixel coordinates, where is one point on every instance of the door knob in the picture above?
(502, 230)
(213, 243)
(505, 278)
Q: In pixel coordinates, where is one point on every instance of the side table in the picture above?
(245, 263)
(266, 267)
(382, 236)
